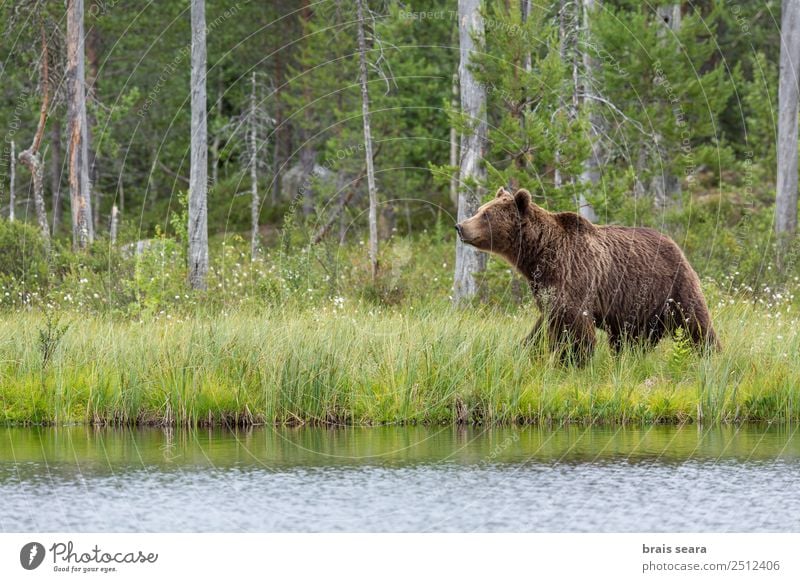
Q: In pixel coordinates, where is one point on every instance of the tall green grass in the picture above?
(363, 365)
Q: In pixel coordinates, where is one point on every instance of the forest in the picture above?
(242, 212)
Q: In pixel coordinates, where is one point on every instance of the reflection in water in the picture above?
(401, 479)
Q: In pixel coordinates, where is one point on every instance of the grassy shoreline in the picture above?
(361, 366)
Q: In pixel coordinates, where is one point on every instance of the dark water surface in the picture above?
(720, 479)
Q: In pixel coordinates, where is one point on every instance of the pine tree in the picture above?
(535, 132)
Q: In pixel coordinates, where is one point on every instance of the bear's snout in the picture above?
(458, 230)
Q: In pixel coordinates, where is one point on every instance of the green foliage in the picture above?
(667, 90)
(179, 221)
(681, 352)
(23, 259)
(759, 101)
(532, 128)
(50, 336)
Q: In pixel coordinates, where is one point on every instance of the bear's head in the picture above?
(497, 226)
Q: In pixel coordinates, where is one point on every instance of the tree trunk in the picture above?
(525, 9)
(308, 161)
(55, 177)
(33, 161)
(564, 48)
(91, 122)
(470, 261)
(255, 203)
(82, 227)
(114, 228)
(277, 133)
(12, 183)
(454, 146)
(786, 188)
(373, 194)
(31, 157)
(670, 15)
(591, 165)
(198, 174)
(121, 193)
(527, 65)
(666, 186)
(215, 143)
(308, 155)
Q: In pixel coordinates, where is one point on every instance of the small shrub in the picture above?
(22, 253)
(49, 338)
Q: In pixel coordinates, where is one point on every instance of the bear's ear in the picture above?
(501, 191)
(523, 199)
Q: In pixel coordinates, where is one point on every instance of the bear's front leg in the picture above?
(535, 333)
(572, 336)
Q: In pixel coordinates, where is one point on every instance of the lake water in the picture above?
(574, 479)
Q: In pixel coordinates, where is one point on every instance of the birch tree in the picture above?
(591, 166)
(454, 145)
(255, 199)
(786, 188)
(470, 261)
(12, 194)
(373, 195)
(198, 171)
(573, 21)
(80, 200)
(666, 186)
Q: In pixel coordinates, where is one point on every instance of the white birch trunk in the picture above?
(666, 186)
(786, 188)
(470, 261)
(591, 165)
(454, 146)
(373, 194)
(11, 190)
(198, 172)
(80, 200)
(255, 203)
(114, 228)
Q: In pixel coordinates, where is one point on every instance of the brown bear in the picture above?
(634, 283)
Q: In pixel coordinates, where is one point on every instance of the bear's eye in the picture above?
(486, 214)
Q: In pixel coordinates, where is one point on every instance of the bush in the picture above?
(22, 254)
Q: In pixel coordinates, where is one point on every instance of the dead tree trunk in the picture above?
(91, 123)
(470, 261)
(373, 194)
(12, 193)
(277, 133)
(665, 185)
(33, 161)
(31, 158)
(308, 155)
(255, 203)
(55, 177)
(786, 190)
(215, 143)
(454, 146)
(114, 224)
(198, 172)
(591, 166)
(564, 50)
(81, 203)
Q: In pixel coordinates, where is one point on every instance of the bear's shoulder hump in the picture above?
(572, 222)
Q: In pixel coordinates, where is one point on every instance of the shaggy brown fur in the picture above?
(634, 283)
